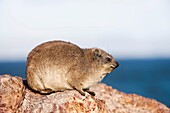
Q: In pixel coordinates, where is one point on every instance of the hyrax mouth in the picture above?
(115, 65)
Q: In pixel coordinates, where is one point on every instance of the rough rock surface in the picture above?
(15, 97)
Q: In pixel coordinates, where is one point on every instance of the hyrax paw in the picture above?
(88, 91)
(82, 93)
(91, 93)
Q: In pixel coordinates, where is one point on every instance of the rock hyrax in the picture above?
(59, 65)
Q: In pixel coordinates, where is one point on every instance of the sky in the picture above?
(124, 28)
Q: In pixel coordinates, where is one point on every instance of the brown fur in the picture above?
(59, 65)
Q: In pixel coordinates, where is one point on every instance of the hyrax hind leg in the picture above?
(35, 83)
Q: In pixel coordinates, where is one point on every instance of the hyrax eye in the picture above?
(108, 59)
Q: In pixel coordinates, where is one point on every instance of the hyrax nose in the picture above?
(116, 64)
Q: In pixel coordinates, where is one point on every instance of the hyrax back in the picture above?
(59, 65)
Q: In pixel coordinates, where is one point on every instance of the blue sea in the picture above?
(147, 77)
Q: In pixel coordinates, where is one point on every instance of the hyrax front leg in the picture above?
(78, 87)
(80, 90)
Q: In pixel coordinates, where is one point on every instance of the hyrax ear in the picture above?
(96, 53)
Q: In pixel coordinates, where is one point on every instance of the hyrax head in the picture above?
(105, 62)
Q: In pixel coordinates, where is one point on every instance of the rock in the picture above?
(15, 97)
(12, 92)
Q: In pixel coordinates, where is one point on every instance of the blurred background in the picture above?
(136, 33)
